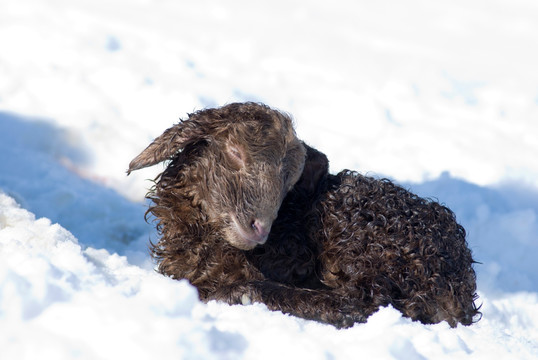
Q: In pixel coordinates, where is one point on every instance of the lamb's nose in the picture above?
(260, 230)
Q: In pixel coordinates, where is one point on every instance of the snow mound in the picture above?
(60, 301)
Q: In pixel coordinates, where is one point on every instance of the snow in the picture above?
(439, 96)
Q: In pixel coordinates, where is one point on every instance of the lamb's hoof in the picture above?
(245, 300)
(348, 320)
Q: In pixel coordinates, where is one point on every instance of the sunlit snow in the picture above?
(441, 97)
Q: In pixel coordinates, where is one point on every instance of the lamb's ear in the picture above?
(168, 144)
(316, 169)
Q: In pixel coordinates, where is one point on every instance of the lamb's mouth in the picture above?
(244, 239)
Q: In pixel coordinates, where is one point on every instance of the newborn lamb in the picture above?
(246, 212)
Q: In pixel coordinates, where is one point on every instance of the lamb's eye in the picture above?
(236, 156)
(235, 153)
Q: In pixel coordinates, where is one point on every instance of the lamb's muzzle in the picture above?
(256, 235)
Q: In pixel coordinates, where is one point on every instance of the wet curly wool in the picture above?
(248, 213)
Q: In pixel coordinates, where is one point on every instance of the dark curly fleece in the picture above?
(340, 246)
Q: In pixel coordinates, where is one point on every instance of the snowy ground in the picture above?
(442, 98)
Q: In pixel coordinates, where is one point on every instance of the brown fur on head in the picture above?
(236, 163)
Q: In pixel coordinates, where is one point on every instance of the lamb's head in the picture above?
(240, 161)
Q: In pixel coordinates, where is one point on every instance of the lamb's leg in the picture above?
(320, 305)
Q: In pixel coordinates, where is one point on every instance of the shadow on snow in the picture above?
(33, 171)
(501, 222)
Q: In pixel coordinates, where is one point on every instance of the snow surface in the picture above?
(440, 96)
